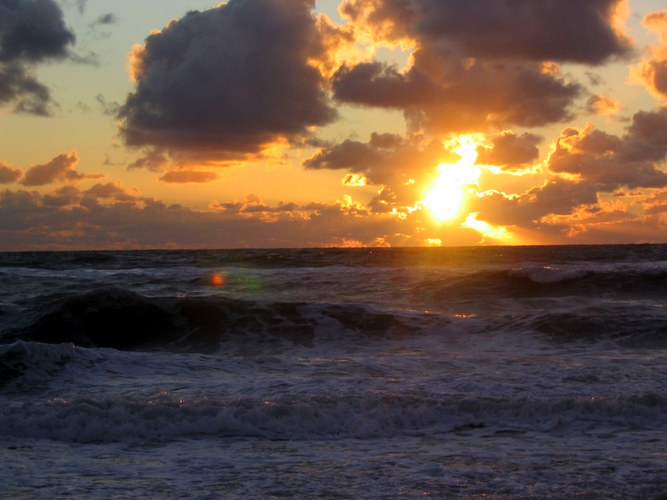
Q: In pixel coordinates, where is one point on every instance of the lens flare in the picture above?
(217, 279)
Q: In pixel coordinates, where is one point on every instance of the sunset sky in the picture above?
(294, 123)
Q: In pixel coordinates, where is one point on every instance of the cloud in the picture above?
(109, 18)
(567, 30)
(58, 169)
(585, 169)
(108, 108)
(607, 161)
(603, 105)
(509, 150)
(31, 32)
(253, 205)
(9, 174)
(557, 196)
(480, 66)
(66, 195)
(445, 93)
(652, 72)
(384, 159)
(404, 168)
(18, 85)
(152, 160)
(184, 176)
(109, 216)
(229, 80)
(646, 139)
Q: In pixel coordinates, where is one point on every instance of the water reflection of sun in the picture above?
(446, 197)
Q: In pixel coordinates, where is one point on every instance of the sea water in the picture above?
(494, 372)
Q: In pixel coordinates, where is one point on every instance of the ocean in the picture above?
(480, 372)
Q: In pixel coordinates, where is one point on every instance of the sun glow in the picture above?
(494, 232)
(447, 196)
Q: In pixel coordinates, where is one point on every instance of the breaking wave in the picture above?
(165, 417)
(120, 319)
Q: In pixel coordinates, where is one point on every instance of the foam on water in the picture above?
(502, 372)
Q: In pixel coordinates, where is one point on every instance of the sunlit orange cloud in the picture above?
(356, 180)
(9, 174)
(652, 72)
(135, 62)
(346, 243)
(386, 30)
(341, 45)
(623, 217)
(603, 105)
(657, 202)
(496, 234)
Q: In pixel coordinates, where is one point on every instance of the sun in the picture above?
(446, 197)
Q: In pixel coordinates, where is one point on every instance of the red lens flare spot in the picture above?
(217, 279)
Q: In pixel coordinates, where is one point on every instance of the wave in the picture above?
(121, 319)
(165, 416)
(118, 318)
(325, 257)
(646, 282)
(32, 361)
(624, 325)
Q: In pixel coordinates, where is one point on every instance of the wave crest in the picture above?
(125, 320)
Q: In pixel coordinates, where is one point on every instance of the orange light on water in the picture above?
(217, 279)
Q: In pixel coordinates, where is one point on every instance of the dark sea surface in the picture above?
(485, 372)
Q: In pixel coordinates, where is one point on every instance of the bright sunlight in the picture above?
(446, 197)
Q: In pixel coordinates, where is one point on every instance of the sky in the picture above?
(303, 123)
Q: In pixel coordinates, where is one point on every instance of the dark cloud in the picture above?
(509, 150)
(19, 86)
(480, 66)
(66, 195)
(153, 160)
(230, 79)
(564, 30)
(59, 169)
(403, 167)
(107, 191)
(608, 162)
(9, 174)
(185, 176)
(382, 85)
(109, 18)
(647, 136)
(31, 31)
(107, 216)
(254, 205)
(455, 95)
(108, 108)
(557, 196)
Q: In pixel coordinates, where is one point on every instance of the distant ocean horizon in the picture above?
(450, 372)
